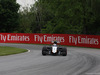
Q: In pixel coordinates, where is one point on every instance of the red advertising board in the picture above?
(64, 39)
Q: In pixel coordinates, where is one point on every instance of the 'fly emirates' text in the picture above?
(16, 37)
(46, 38)
(83, 40)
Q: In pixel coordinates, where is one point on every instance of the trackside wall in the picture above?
(65, 39)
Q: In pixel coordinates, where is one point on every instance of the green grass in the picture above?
(4, 50)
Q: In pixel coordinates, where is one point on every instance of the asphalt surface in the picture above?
(79, 61)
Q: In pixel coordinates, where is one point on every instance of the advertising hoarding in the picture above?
(64, 39)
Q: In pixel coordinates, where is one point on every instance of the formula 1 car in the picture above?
(54, 50)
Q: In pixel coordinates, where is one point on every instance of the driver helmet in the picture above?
(55, 42)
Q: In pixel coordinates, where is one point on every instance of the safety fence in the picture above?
(64, 39)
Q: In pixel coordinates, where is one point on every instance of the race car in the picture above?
(54, 50)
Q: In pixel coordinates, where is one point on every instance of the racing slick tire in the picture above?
(44, 51)
(64, 53)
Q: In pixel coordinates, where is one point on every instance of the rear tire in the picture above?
(64, 53)
(44, 51)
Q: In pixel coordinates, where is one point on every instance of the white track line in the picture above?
(28, 50)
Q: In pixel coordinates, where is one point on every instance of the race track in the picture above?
(79, 61)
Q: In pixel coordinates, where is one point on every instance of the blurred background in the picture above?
(50, 16)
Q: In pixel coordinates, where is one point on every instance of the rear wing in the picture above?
(56, 41)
